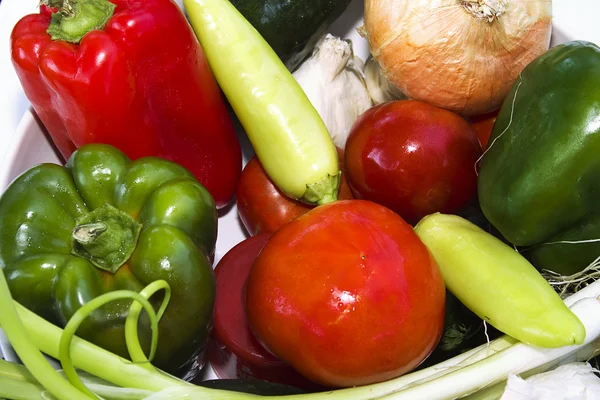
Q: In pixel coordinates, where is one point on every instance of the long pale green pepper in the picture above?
(288, 135)
(498, 284)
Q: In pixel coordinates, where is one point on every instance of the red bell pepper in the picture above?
(132, 74)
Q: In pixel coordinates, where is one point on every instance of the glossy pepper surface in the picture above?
(538, 180)
(498, 284)
(104, 223)
(131, 74)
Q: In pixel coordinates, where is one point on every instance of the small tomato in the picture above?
(483, 125)
(347, 294)
(414, 158)
(262, 207)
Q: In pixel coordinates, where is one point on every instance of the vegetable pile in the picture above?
(421, 224)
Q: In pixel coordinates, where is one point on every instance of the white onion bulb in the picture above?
(462, 55)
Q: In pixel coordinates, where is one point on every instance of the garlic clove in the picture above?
(334, 82)
(380, 89)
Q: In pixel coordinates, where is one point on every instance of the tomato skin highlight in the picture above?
(262, 207)
(347, 294)
(413, 158)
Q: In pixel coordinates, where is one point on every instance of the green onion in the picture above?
(17, 383)
(64, 351)
(479, 368)
(29, 354)
(131, 338)
(93, 359)
(516, 359)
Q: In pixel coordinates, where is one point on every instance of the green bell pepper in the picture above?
(538, 181)
(104, 223)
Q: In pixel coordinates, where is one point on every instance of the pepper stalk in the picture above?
(75, 18)
(106, 237)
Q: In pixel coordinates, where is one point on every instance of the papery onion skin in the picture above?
(436, 51)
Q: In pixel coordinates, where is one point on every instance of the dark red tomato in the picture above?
(261, 205)
(233, 351)
(483, 125)
(347, 294)
(414, 158)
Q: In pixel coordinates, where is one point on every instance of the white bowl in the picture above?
(31, 146)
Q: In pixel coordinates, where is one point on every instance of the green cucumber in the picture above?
(291, 27)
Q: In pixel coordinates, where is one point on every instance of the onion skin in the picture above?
(437, 52)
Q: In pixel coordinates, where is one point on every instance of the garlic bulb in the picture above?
(463, 55)
(380, 89)
(333, 80)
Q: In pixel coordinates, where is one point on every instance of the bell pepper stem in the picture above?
(75, 18)
(62, 6)
(87, 233)
(106, 237)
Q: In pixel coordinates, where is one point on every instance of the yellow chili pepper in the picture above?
(499, 284)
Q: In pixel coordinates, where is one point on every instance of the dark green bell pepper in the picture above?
(539, 181)
(104, 223)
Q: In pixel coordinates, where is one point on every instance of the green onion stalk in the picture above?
(30, 335)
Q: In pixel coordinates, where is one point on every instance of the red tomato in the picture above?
(483, 125)
(261, 205)
(233, 352)
(414, 158)
(347, 294)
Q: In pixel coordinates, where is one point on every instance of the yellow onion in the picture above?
(462, 55)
